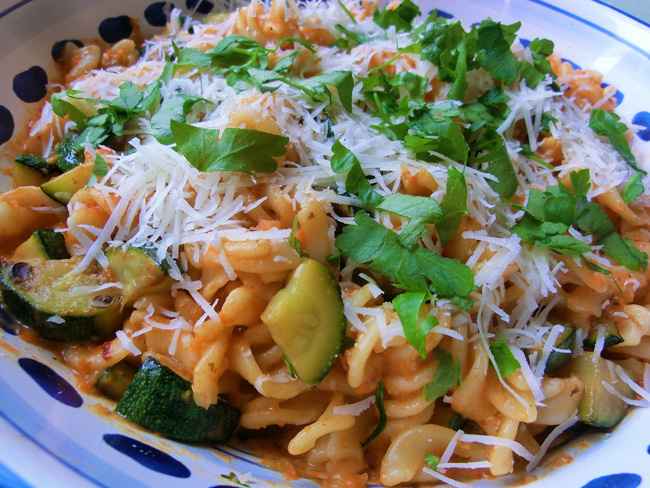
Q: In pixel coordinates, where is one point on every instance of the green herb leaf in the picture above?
(431, 461)
(607, 124)
(379, 401)
(245, 150)
(446, 376)
(506, 362)
(500, 164)
(62, 106)
(238, 50)
(409, 307)
(174, 108)
(316, 86)
(70, 154)
(100, 168)
(422, 209)
(401, 17)
(292, 372)
(494, 40)
(454, 205)
(371, 243)
(344, 160)
(633, 188)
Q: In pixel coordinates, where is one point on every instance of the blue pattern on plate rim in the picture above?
(619, 480)
(115, 29)
(147, 456)
(51, 382)
(29, 86)
(8, 479)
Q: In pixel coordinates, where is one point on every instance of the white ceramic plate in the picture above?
(50, 436)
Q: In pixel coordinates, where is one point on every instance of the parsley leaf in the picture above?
(401, 17)
(316, 86)
(633, 188)
(494, 40)
(409, 307)
(344, 160)
(100, 168)
(174, 107)
(371, 243)
(422, 209)
(245, 150)
(607, 124)
(379, 400)
(431, 461)
(454, 205)
(500, 163)
(447, 375)
(505, 361)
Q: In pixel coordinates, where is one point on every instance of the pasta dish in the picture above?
(372, 242)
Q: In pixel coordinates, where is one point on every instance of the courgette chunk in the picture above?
(598, 407)
(45, 244)
(114, 381)
(160, 400)
(64, 186)
(139, 271)
(306, 320)
(612, 336)
(58, 304)
(565, 341)
(31, 170)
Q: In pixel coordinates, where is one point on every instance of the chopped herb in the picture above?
(633, 188)
(344, 160)
(401, 17)
(412, 268)
(379, 401)
(505, 361)
(293, 240)
(454, 205)
(607, 124)
(409, 309)
(447, 375)
(245, 150)
(431, 460)
(100, 168)
(174, 107)
(292, 372)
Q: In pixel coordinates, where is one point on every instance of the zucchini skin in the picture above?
(77, 326)
(160, 400)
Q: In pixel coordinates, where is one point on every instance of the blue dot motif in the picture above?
(442, 14)
(51, 382)
(619, 480)
(643, 119)
(115, 29)
(618, 95)
(524, 42)
(31, 85)
(57, 47)
(147, 456)
(6, 124)
(199, 6)
(156, 13)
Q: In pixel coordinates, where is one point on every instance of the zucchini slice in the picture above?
(60, 305)
(565, 340)
(306, 320)
(138, 270)
(64, 186)
(612, 336)
(45, 244)
(70, 155)
(160, 400)
(31, 170)
(598, 407)
(114, 381)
